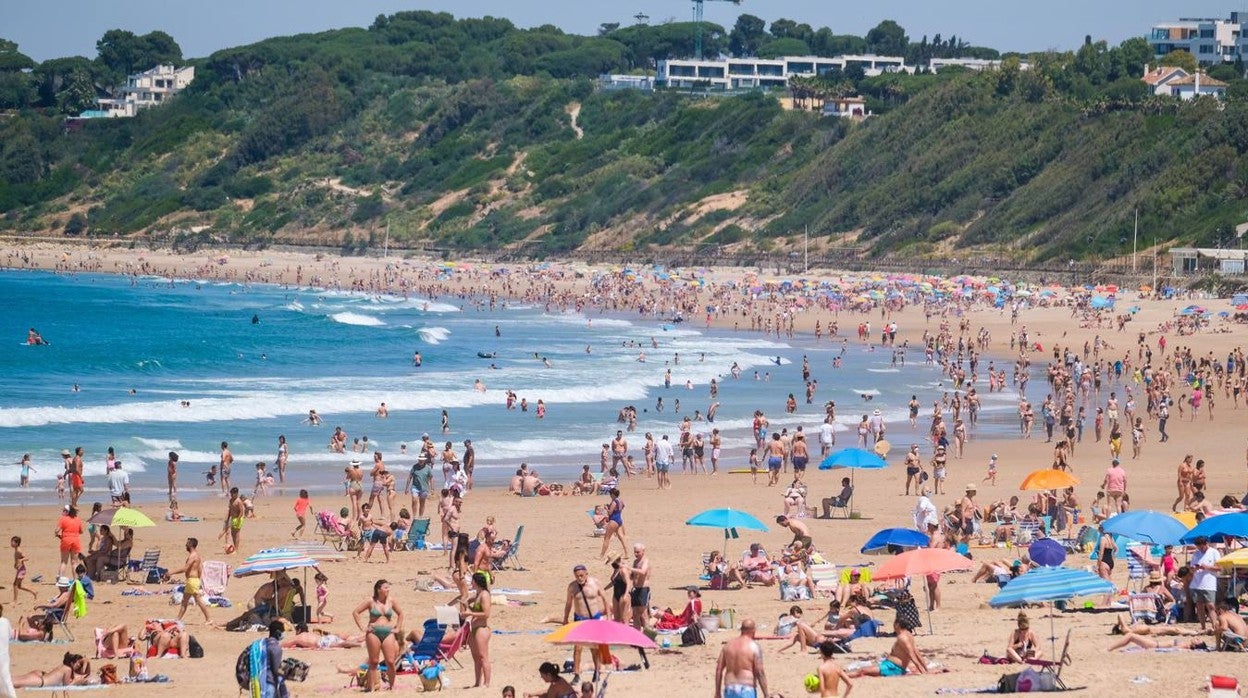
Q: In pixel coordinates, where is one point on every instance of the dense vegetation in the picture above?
(462, 132)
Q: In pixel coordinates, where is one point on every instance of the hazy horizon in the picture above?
(52, 30)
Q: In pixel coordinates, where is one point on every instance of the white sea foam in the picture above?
(295, 306)
(433, 335)
(348, 318)
(884, 370)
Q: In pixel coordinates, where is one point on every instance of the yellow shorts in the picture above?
(236, 523)
(193, 586)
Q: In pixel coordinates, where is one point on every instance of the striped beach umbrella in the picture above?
(273, 560)
(1049, 584)
(317, 551)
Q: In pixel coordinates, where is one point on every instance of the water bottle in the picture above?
(666, 642)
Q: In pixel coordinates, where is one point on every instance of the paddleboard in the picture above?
(740, 471)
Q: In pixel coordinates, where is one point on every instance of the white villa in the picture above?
(149, 88)
(750, 73)
(1211, 41)
(1167, 81)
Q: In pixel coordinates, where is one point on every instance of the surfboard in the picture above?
(741, 471)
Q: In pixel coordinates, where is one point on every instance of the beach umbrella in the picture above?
(895, 537)
(1049, 584)
(1188, 518)
(1146, 526)
(1048, 479)
(1046, 552)
(922, 562)
(317, 551)
(854, 459)
(121, 516)
(1220, 527)
(1235, 560)
(600, 632)
(273, 560)
(729, 520)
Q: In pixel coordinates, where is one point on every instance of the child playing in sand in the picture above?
(302, 505)
(992, 470)
(19, 568)
(754, 464)
(322, 598)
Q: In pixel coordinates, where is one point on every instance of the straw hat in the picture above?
(972, 488)
(1155, 577)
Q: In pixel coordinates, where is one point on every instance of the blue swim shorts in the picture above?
(739, 690)
(889, 668)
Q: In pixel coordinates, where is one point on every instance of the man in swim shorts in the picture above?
(739, 671)
(775, 458)
(234, 518)
(903, 658)
(193, 568)
(663, 462)
(586, 600)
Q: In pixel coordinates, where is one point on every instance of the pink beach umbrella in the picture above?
(600, 632)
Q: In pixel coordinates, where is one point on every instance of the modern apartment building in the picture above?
(749, 73)
(1211, 41)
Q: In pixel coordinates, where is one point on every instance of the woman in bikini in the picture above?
(615, 524)
(384, 628)
(1022, 644)
(73, 671)
(476, 613)
(355, 487)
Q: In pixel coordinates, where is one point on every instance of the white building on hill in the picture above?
(750, 73)
(149, 88)
(1211, 41)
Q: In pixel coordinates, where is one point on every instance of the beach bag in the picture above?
(294, 670)
(907, 611)
(1008, 683)
(242, 669)
(195, 649)
(692, 636)
(108, 674)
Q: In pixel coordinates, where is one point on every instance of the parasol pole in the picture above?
(927, 593)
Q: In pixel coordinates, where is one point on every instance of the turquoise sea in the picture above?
(137, 348)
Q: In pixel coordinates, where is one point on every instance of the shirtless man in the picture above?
(227, 460)
(194, 571)
(639, 583)
(801, 533)
(585, 600)
(739, 671)
(529, 484)
(830, 674)
(775, 458)
(234, 519)
(903, 658)
(619, 449)
(1229, 627)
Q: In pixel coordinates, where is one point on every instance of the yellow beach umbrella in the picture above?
(1187, 517)
(1239, 558)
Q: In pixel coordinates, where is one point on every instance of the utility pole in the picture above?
(1135, 237)
(1154, 265)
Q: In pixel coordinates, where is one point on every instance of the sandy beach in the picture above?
(557, 533)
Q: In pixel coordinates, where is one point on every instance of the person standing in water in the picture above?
(227, 461)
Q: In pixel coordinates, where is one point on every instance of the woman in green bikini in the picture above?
(383, 630)
(477, 614)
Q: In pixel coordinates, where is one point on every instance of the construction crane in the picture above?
(697, 23)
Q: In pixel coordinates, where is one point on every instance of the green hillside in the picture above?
(475, 134)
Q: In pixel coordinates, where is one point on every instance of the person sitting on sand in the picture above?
(318, 639)
(666, 620)
(74, 670)
(903, 658)
(756, 566)
(855, 588)
(114, 643)
(795, 499)
(1022, 644)
(558, 686)
(721, 573)
(796, 585)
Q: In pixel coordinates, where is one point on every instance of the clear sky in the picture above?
(71, 27)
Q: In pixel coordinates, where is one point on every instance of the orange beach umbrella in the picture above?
(1049, 479)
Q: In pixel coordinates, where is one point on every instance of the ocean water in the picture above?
(343, 354)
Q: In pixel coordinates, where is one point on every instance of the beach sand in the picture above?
(557, 535)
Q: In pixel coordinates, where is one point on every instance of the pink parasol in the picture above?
(600, 632)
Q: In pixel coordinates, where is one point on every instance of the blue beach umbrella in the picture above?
(1218, 528)
(1046, 552)
(898, 537)
(1050, 584)
(729, 520)
(853, 458)
(1147, 527)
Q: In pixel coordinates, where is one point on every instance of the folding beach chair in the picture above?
(513, 552)
(447, 616)
(331, 531)
(430, 643)
(58, 616)
(1143, 607)
(598, 530)
(1026, 531)
(1137, 572)
(1054, 667)
(149, 567)
(825, 578)
(450, 646)
(1075, 543)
